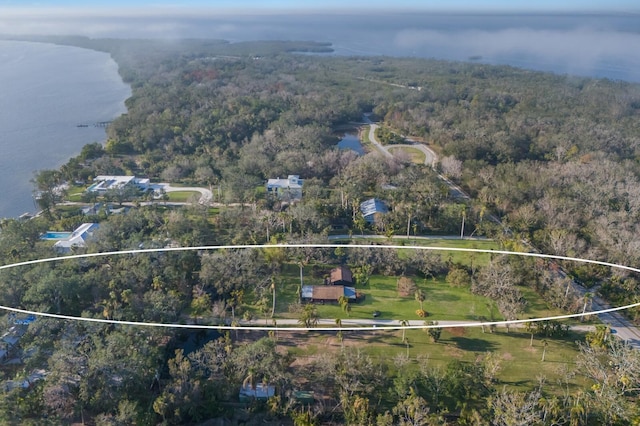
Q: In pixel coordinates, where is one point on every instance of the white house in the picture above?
(104, 183)
(289, 188)
(78, 238)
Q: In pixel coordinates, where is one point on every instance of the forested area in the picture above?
(553, 157)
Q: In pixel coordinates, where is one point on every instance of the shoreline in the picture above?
(72, 87)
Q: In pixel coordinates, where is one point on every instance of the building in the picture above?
(78, 238)
(260, 392)
(340, 276)
(286, 189)
(371, 208)
(102, 184)
(327, 293)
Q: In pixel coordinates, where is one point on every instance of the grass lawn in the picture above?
(415, 155)
(182, 196)
(521, 364)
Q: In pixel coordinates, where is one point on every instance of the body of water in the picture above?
(46, 91)
(352, 142)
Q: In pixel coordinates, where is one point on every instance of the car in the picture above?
(376, 314)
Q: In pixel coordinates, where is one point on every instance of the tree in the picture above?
(403, 324)
(273, 289)
(598, 338)
(614, 370)
(588, 300)
(434, 332)
(412, 411)
(458, 277)
(339, 334)
(309, 316)
(343, 301)
(514, 408)
(420, 297)
(406, 286)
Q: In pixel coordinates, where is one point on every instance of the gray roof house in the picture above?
(372, 206)
(287, 189)
(78, 238)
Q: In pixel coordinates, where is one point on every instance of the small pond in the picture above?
(351, 141)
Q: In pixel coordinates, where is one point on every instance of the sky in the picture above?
(256, 5)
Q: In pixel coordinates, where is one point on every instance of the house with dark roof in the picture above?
(327, 293)
(340, 276)
(371, 208)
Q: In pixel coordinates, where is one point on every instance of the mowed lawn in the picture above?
(520, 363)
(182, 196)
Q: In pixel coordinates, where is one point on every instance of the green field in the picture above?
(521, 364)
(182, 196)
(414, 154)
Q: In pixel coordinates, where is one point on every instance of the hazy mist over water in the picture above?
(45, 91)
(599, 45)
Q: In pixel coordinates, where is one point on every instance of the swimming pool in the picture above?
(55, 235)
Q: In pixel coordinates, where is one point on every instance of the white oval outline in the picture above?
(274, 328)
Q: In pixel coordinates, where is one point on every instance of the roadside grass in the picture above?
(414, 154)
(364, 134)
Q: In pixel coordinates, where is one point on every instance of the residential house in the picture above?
(78, 238)
(327, 293)
(102, 184)
(286, 189)
(371, 208)
(340, 276)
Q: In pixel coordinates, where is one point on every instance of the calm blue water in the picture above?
(45, 92)
(352, 142)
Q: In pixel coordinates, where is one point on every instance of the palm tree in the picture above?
(404, 323)
(544, 348)
(344, 304)
(420, 297)
(273, 288)
(588, 299)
